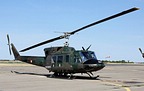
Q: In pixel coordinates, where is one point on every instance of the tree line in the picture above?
(115, 61)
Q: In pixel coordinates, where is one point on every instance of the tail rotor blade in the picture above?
(10, 50)
(9, 44)
(8, 39)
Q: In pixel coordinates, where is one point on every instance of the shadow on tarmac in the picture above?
(58, 77)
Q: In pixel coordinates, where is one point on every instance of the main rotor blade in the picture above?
(73, 32)
(105, 19)
(42, 43)
(140, 50)
(88, 48)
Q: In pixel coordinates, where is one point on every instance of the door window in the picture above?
(60, 59)
(67, 58)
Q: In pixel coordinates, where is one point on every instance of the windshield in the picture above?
(87, 55)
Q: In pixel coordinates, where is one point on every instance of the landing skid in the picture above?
(58, 75)
(62, 75)
(92, 76)
(73, 77)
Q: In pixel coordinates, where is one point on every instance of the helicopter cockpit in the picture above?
(86, 56)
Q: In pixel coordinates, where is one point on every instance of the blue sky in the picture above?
(32, 21)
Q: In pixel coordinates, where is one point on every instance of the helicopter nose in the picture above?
(91, 61)
(93, 65)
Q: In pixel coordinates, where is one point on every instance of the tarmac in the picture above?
(114, 77)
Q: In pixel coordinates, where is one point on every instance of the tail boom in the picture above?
(15, 52)
(35, 60)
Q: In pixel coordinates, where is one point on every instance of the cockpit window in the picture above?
(93, 55)
(87, 55)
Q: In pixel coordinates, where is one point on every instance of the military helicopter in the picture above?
(141, 52)
(64, 60)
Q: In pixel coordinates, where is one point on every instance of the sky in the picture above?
(29, 22)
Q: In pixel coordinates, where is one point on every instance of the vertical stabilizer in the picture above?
(15, 52)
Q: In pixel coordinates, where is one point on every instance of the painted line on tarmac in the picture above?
(115, 84)
(126, 88)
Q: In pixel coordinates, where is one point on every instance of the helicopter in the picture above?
(141, 52)
(65, 60)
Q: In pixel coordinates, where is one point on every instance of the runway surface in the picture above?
(114, 77)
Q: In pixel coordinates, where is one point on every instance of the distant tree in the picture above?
(115, 61)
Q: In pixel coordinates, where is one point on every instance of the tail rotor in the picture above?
(9, 44)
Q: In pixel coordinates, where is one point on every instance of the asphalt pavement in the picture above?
(114, 77)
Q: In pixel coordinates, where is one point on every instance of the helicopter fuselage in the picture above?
(63, 60)
(68, 60)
